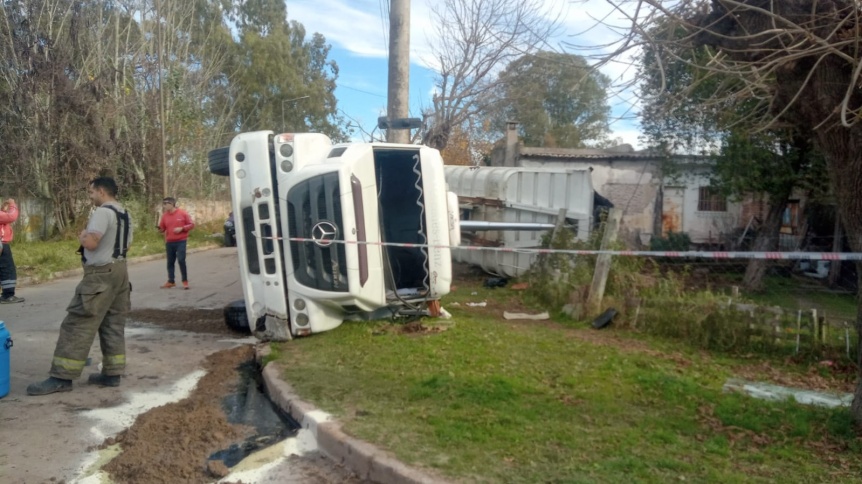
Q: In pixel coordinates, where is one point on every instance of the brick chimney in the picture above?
(511, 143)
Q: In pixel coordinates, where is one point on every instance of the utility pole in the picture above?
(399, 68)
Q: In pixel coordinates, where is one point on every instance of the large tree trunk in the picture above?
(766, 241)
(856, 407)
(837, 244)
(844, 149)
(812, 87)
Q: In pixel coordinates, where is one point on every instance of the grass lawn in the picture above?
(479, 398)
(794, 294)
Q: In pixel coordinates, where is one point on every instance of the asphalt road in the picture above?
(50, 438)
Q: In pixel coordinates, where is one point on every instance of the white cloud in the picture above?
(361, 26)
(356, 25)
(629, 136)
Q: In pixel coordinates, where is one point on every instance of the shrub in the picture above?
(675, 241)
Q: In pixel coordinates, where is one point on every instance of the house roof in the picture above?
(622, 152)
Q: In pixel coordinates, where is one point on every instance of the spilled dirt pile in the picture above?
(171, 443)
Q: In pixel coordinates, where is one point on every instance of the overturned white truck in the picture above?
(328, 230)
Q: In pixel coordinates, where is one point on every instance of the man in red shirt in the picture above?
(176, 225)
(8, 276)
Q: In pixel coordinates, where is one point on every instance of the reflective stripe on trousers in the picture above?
(99, 306)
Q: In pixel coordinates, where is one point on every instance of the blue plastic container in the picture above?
(5, 345)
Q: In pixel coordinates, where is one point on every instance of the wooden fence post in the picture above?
(824, 330)
(558, 226)
(815, 329)
(561, 222)
(603, 262)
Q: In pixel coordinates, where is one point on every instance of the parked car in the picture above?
(229, 232)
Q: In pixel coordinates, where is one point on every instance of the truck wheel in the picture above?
(236, 318)
(219, 161)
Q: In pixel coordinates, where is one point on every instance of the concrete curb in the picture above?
(363, 459)
(29, 281)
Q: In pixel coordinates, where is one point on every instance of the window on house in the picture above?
(710, 200)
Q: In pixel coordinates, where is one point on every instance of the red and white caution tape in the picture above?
(829, 256)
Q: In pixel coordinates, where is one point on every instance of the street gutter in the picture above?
(363, 459)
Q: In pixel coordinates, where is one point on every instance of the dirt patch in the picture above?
(494, 306)
(827, 375)
(834, 452)
(171, 443)
(210, 321)
(414, 328)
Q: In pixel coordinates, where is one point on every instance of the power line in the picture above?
(384, 22)
(340, 86)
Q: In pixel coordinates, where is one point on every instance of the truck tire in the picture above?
(229, 239)
(236, 318)
(219, 161)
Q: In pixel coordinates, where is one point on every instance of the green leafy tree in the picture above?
(558, 100)
(54, 98)
(773, 163)
(799, 59)
(679, 116)
(88, 88)
(281, 80)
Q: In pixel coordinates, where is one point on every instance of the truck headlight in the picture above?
(299, 304)
(302, 320)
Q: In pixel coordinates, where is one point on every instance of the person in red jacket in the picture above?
(8, 274)
(176, 225)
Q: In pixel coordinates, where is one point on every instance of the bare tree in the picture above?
(476, 39)
(797, 59)
(79, 97)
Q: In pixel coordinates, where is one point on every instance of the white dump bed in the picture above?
(504, 194)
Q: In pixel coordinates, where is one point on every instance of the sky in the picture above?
(358, 33)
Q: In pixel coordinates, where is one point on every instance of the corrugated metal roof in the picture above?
(623, 152)
(619, 153)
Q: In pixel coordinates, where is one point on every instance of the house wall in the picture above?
(793, 226)
(704, 227)
(636, 187)
(36, 218)
(754, 207)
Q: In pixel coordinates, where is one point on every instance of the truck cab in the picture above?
(326, 231)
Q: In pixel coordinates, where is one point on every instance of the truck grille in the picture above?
(316, 203)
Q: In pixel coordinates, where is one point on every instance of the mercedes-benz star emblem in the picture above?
(324, 233)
